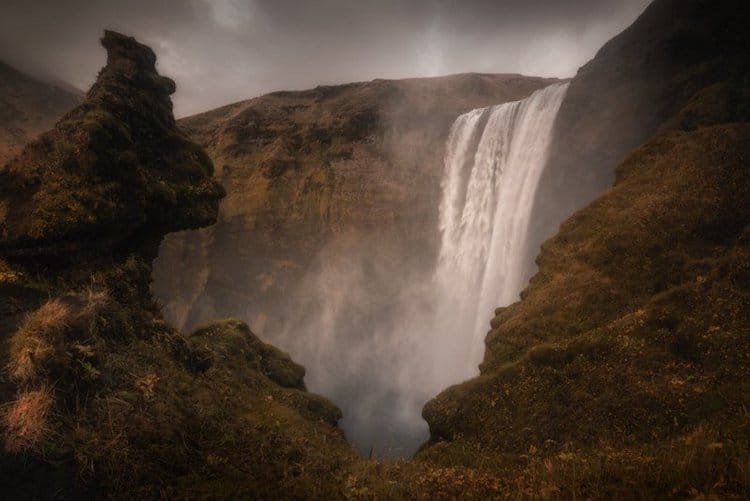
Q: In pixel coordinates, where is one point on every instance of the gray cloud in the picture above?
(221, 51)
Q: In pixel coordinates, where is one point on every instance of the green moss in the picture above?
(233, 339)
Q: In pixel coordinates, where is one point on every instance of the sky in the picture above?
(223, 51)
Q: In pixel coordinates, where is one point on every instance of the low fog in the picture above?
(222, 51)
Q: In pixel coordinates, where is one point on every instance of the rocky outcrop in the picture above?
(353, 168)
(99, 397)
(115, 166)
(28, 107)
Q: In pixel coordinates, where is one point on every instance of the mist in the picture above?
(354, 323)
(382, 328)
(376, 324)
(224, 51)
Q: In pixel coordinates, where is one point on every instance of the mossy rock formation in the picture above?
(114, 166)
(100, 397)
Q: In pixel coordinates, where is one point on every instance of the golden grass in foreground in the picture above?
(25, 419)
(34, 341)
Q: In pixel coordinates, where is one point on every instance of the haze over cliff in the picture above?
(28, 107)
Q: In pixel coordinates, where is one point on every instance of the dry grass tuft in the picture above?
(25, 419)
(94, 302)
(49, 332)
(34, 341)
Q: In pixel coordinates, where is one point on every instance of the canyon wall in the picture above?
(351, 170)
(328, 237)
(679, 66)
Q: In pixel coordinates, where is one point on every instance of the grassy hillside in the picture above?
(624, 367)
(28, 108)
(682, 64)
(627, 359)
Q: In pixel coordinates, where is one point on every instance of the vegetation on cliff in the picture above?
(622, 372)
(682, 64)
(352, 168)
(99, 395)
(114, 166)
(624, 368)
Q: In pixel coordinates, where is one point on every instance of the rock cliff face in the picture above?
(681, 65)
(27, 108)
(99, 396)
(627, 355)
(352, 168)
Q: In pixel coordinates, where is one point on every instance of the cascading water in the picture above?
(382, 367)
(485, 212)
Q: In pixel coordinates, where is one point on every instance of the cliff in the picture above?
(681, 65)
(99, 396)
(351, 171)
(28, 107)
(625, 363)
(623, 371)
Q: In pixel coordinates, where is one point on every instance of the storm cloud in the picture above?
(222, 51)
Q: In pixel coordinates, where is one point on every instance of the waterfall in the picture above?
(381, 351)
(488, 192)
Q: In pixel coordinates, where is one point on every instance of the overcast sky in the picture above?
(222, 51)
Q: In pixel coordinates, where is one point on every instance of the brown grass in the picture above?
(92, 310)
(34, 341)
(25, 419)
(45, 332)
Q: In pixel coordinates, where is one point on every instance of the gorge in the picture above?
(339, 273)
(479, 286)
(356, 321)
(494, 157)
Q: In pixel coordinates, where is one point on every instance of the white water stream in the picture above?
(488, 194)
(382, 368)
